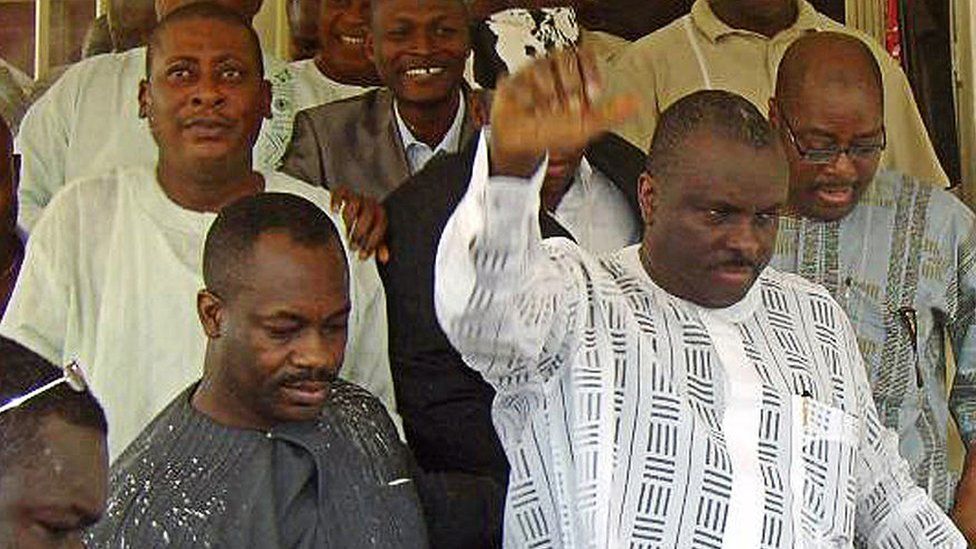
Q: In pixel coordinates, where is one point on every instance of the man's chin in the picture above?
(297, 413)
(831, 212)
(421, 94)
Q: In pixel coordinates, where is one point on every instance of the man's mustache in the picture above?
(738, 262)
(304, 375)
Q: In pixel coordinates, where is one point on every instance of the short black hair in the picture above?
(374, 3)
(22, 370)
(239, 225)
(204, 10)
(715, 112)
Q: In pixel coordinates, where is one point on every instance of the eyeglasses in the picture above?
(829, 155)
(72, 375)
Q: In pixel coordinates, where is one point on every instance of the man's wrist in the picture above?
(504, 164)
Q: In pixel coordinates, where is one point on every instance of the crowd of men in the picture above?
(702, 289)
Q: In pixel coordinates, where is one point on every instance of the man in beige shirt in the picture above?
(736, 45)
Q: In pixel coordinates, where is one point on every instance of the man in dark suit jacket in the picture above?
(445, 406)
(371, 143)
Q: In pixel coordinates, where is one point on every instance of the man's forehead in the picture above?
(854, 101)
(714, 168)
(419, 7)
(185, 39)
(69, 469)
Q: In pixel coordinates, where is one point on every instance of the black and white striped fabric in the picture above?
(633, 418)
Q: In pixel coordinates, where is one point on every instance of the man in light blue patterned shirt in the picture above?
(896, 253)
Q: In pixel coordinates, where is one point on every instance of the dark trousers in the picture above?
(463, 511)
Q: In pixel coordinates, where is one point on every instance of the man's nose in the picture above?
(423, 43)
(316, 350)
(208, 93)
(745, 239)
(843, 168)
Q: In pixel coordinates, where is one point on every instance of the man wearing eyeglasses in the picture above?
(897, 253)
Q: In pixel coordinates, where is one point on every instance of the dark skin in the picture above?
(343, 57)
(717, 226)
(276, 338)
(710, 225)
(827, 97)
(205, 101)
(765, 17)
(130, 22)
(559, 174)
(50, 501)
(419, 48)
(303, 24)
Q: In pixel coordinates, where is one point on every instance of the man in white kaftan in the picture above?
(89, 122)
(677, 393)
(113, 265)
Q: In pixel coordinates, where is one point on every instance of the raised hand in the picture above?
(556, 103)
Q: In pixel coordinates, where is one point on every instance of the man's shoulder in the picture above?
(891, 188)
(162, 430)
(359, 410)
(105, 67)
(280, 182)
(83, 80)
(651, 44)
(795, 284)
(356, 109)
(93, 197)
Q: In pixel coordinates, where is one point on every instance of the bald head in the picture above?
(824, 61)
(829, 99)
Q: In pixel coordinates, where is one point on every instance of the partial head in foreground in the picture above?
(275, 311)
(205, 95)
(420, 47)
(53, 455)
(711, 195)
(828, 110)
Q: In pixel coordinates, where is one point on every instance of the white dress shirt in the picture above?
(596, 213)
(418, 152)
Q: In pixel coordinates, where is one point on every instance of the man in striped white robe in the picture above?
(677, 393)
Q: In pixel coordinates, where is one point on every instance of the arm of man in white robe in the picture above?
(42, 144)
(508, 303)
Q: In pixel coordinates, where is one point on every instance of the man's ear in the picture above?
(648, 195)
(145, 99)
(368, 46)
(210, 312)
(266, 99)
(774, 114)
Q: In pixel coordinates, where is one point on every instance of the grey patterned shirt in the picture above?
(634, 418)
(903, 266)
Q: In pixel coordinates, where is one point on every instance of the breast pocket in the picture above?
(823, 459)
